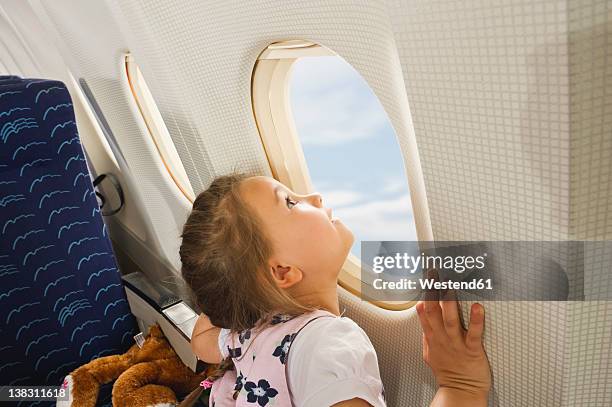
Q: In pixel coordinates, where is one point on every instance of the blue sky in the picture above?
(351, 150)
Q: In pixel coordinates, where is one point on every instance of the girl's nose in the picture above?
(315, 199)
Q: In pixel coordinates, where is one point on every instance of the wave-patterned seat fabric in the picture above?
(61, 296)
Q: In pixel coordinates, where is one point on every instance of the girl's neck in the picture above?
(326, 299)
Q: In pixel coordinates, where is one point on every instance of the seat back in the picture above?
(61, 294)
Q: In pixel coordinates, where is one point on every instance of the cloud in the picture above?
(395, 185)
(340, 198)
(316, 74)
(385, 219)
(332, 104)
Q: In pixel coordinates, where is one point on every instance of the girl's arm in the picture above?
(456, 357)
(205, 340)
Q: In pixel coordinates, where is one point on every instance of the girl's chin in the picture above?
(347, 234)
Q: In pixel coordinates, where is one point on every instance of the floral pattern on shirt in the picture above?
(282, 350)
(261, 393)
(234, 352)
(281, 318)
(244, 336)
(240, 380)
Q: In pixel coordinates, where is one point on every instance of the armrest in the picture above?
(154, 304)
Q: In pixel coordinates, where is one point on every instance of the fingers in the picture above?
(431, 294)
(452, 323)
(430, 316)
(473, 338)
(433, 312)
(427, 331)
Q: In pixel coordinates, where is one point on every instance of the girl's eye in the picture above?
(290, 202)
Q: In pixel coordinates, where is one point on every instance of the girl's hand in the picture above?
(456, 356)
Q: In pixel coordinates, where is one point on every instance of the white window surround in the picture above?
(273, 116)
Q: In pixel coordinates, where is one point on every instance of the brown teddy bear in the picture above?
(149, 376)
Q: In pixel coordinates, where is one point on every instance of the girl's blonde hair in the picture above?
(225, 254)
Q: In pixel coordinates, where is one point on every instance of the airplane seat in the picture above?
(62, 298)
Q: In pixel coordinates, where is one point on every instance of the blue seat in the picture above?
(61, 296)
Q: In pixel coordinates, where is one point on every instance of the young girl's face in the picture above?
(304, 233)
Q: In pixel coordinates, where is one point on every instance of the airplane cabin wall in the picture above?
(501, 98)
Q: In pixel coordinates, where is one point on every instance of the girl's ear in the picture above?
(285, 276)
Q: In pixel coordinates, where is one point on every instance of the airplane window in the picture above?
(351, 150)
(157, 128)
(324, 129)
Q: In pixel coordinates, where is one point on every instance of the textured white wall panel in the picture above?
(589, 367)
(488, 86)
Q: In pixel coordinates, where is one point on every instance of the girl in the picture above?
(263, 263)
